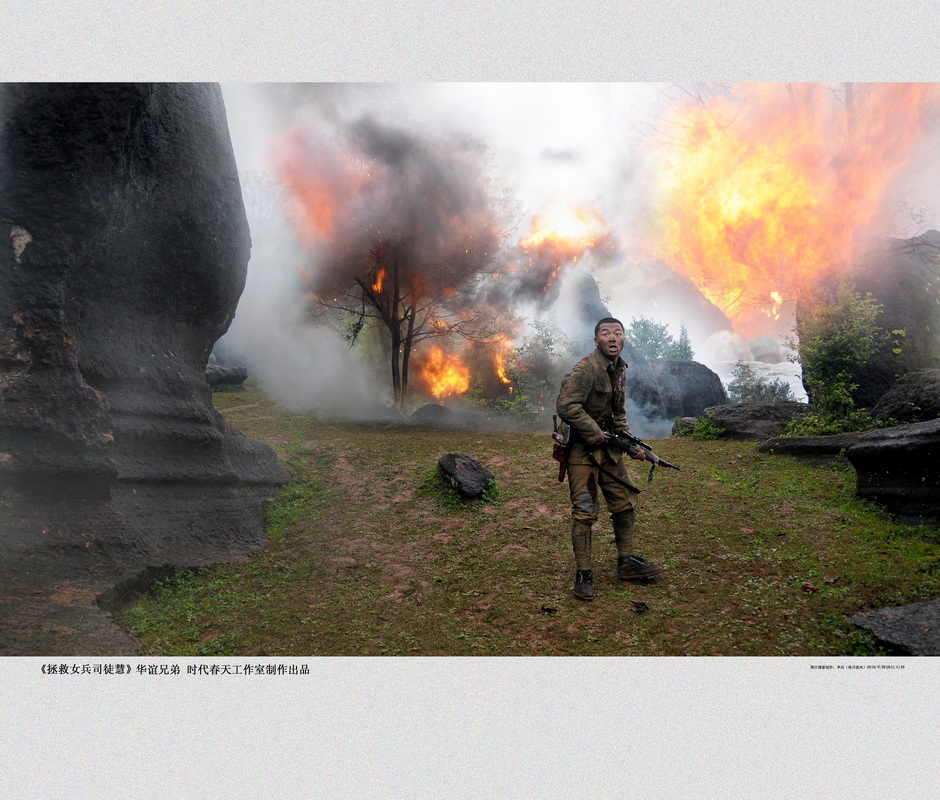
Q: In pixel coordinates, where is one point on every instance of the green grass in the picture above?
(370, 553)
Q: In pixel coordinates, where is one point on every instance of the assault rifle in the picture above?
(623, 441)
(632, 445)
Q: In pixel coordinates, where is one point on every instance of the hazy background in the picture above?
(598, 144)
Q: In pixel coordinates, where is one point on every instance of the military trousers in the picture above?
(585, 481)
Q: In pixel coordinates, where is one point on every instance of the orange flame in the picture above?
(444, 374)
(561, 233)
(379, 281)
(762, 197)
(774, 311)
(499, 361)
(322, 187)
(570, 229)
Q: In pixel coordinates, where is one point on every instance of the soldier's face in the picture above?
(609, 340)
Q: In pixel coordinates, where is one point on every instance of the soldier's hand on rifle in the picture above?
(630, 449)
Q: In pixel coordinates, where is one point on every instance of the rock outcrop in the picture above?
(914, 397)
(899, 468)
(903, 278)
(755, 420)
(696, 386)
(123, 252)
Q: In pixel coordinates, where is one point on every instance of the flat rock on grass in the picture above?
(467, 475)
(813, 449)
(913, 629)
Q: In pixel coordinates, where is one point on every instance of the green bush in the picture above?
(704, 429)
(823, 424)
(836, 333)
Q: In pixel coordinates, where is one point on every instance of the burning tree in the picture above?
(404, 233)
(413, 304)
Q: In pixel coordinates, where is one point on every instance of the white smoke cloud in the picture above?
(574, 142)
(302, 365)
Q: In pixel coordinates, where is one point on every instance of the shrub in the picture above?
(836, 334)
(820, 424)
(704, 428)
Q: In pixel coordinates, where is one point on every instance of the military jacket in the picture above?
(592, 401)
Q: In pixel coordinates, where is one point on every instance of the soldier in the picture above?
(592, 402)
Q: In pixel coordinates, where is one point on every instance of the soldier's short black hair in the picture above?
(606, 319)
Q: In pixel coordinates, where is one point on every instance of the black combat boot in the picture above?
(584, 584)
(631, 568)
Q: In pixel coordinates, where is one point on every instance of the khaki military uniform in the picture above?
(592, 401)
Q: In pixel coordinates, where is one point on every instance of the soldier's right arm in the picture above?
(570, 404)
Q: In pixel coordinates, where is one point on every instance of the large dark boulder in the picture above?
(914, 397)
(652, 394)
(696, 385)
(123, 252)
(899, 467)
(755, 420)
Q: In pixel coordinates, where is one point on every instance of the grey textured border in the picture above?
(447, 727)
(368, 40)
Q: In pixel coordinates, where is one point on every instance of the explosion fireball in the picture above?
(559, 234)
(766, 189)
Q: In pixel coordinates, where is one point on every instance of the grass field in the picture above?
(370, 554)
